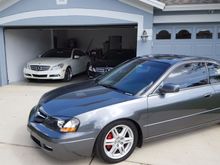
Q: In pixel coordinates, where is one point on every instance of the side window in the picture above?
(189, 75)
(214, 73)
(78, 52)
(163, 35)
(204, 34)
(183, 34)
(82, 53)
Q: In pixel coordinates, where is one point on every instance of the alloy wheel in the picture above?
(118, 141)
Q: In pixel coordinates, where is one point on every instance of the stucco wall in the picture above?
(23, 45)
(3, 72)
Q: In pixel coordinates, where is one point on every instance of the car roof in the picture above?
(173, 59)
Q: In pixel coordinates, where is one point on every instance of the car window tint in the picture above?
(135, 75)
(189, 75)
(214, 72)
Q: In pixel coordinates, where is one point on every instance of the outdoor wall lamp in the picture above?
(144, 36)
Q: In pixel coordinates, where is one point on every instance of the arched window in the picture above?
(183, 34)
(163, 35)
(204, 34)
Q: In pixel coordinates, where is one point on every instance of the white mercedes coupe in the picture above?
(57, 64)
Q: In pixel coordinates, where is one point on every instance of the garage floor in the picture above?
(199, 147)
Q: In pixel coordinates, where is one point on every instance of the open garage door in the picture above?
(26, 44)
(188, 39)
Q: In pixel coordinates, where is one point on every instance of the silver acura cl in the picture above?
(140, 100)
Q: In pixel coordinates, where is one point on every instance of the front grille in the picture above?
(103, 69)
(39, 67)
(40, 116)
(51, 123)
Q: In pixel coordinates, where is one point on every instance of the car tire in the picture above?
(30, 80)
(68, 74)
(87, 68)
(117, 141)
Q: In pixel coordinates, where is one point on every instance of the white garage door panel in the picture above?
(200, 39)
(182, 49)
(23, 45)
(206, 50)
(161, 48)
(217, 49)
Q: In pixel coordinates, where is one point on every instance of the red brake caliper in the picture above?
(110, 136)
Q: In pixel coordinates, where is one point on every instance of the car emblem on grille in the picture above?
(38, 68)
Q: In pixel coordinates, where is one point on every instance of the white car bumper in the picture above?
(45, 75)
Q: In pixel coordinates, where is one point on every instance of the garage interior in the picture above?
(26, 44)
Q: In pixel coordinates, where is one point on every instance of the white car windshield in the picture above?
(57, 53)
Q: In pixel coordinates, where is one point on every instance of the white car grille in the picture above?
(39, 67)
(103, 69)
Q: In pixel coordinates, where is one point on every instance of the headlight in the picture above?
(91, 68)
(69, 126)
(60, 66)
(28, 66)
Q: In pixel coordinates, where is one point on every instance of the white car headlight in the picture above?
(60, 66)
(91, 68)
(28, 66)
(69, 126)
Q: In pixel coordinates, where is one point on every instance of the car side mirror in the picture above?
(76, 57)
(169, 88)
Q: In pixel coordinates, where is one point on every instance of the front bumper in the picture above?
(98, 71)
(63, 148)
(44, 75)
(92, 74)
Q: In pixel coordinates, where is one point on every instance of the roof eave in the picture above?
(153, 3)
(192, 7)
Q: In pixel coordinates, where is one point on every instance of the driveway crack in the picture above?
(91, 160)
(137, 162)
(19, 145)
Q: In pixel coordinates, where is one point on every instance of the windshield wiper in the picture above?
(116, 89)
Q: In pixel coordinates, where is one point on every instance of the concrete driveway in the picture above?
(200, 147)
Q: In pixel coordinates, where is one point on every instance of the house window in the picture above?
(204, 34)
(163, 35)
(219, 35)
(183, 34)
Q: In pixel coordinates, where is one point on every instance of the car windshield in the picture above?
(57, 53)
(134, 76)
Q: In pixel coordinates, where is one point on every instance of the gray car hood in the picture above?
(76, 99)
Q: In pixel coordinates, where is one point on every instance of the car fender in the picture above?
(94, 121)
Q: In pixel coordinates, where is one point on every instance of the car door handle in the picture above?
(208, 95)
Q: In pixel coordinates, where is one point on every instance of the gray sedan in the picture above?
(140, 100)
